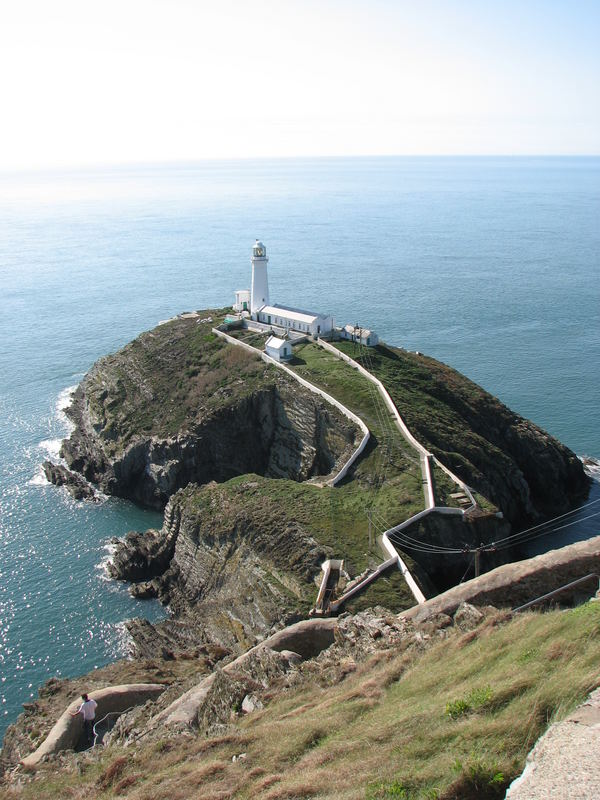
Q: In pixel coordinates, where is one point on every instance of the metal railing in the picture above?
(557, 591)
(106, 716)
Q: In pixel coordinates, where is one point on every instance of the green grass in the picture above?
(390, 469)
(468, 429)
(168, 379)
(334, 517)
(383, 729)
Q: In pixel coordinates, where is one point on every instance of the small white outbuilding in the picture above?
(353, 333)
(279, 349)
(242, 300)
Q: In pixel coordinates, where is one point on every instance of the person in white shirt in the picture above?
(88, 710)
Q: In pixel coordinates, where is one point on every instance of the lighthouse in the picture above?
(259, 293)
(282, 320)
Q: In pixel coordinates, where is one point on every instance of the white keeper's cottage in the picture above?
(286, 318)
(279, 349)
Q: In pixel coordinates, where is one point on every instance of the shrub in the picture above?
(112, 773)
(477, 780)
(477, 698)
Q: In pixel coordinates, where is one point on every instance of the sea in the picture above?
(488, 264)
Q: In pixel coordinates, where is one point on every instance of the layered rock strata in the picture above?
(228, 575)
(178, 406)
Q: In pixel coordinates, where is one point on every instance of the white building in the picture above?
(279, 349)
(242, 300)
(295, 319)
(353, 333)
(286, 317)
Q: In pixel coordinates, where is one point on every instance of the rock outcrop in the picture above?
(77, 486)
(227, 574)
(178, 405)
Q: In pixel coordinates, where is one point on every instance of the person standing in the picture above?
(88, 710)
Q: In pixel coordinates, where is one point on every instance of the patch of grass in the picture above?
(477, 699)
(385, 740)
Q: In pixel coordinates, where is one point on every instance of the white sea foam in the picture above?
(102, 565)
(591, 466)
(64, 401)
(65, 398)
(39, 479)
(125, 644)
(51, 447)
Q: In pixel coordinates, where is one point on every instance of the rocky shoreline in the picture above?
(174, 416)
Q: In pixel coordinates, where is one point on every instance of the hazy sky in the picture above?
(95, 81)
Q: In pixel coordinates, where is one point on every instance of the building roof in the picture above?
(291, 313)
(274, 341)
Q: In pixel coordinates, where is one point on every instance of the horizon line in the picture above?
(98, 165)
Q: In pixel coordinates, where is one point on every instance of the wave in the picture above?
(102, 565)
(39, 479)
(52, 448)
(63, 402)
(591, 466)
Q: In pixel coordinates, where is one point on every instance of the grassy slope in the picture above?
(334, 517)
(169, 378)
(468, 429)
(390, 472)
(382, 731)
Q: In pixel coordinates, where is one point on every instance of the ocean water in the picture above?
(488, 264)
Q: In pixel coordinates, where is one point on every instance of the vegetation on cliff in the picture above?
(179, 409)
(452, 718)
(523, 470)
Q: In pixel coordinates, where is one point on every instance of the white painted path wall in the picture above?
(327, 397)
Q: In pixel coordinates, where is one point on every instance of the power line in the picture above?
(546, 523)
(546, 533)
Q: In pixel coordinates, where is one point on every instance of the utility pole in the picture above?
(370, 528)
(476, 551)
(477, 561)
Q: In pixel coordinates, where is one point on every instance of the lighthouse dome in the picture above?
(259, 250)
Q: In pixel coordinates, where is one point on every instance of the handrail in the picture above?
(109, 714)
(556, 591)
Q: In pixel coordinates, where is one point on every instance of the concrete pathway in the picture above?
(565, 762)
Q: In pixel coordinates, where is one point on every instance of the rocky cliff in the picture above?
(181, 417)
(229, 571)
(178, 405)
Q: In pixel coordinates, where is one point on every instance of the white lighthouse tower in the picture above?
(259, 293)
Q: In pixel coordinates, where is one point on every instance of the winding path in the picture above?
(426, 458)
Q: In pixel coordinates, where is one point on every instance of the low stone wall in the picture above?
(513, 585)
(66, 733)
(564, 762)
(327, 397)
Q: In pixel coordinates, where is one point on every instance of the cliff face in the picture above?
(178, 406)
(228, 571)
(527, 473)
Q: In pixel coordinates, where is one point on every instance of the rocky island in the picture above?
(245, 461)
(239, 453)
